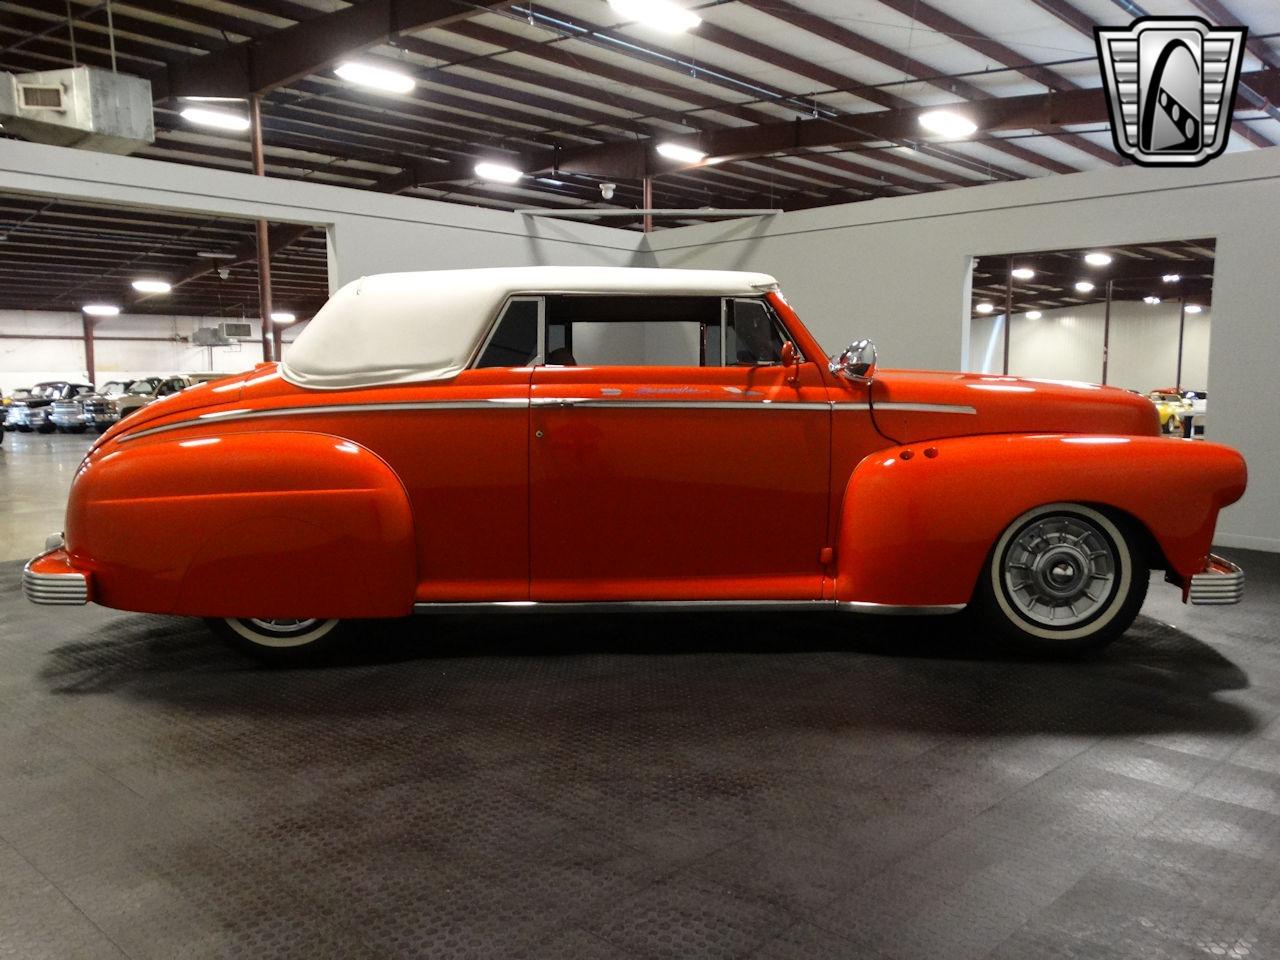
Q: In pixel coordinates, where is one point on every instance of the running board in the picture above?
(686, 606)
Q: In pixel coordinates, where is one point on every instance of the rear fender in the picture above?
(918, 521)
(271, 524)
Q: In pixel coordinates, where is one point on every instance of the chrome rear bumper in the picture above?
(50, 579)
(1221, 582)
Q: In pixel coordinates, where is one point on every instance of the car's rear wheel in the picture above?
(280, 641)
(1063, 578)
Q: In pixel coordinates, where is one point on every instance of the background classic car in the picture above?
(34, 410)
(597, 438)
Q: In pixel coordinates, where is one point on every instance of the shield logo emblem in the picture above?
(1171, 88)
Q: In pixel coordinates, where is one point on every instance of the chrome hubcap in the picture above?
(1060, 570)
(285, 626)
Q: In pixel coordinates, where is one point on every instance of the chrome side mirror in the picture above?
(858, 362)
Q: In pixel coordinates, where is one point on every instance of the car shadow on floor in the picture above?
(919, 674)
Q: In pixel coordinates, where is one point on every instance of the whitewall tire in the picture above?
(280, 641)
(1062, 578)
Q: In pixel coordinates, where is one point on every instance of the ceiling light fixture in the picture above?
(1023, 273)
(215, 255)
(1097, 259)
(152, 286)
(1194, 308)
(661, 15)
(215, 118)
(984, 307)
(498, 172)
(680, 153)
(101, 309)
(1084, 286)
(279, 316)
(1034, 314)
(947, 123)
(1171, 277)
(375, 78)
(1151, 300)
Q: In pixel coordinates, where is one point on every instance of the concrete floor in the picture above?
(35, 475)
(765, 786)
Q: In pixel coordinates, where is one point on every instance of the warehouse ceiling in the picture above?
(573, 95)
(1047, 279)
(59, 255)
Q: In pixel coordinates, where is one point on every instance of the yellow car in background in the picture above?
(1171, 405)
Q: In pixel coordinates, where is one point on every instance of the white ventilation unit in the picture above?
(78, 107)
(225, 334)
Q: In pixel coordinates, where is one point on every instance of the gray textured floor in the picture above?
(683, 787)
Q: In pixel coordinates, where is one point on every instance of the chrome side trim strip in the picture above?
(678, 404)
(522, 403)
(682, 606)
(517, 403)
(900, 609)
(621, 606)
(905, 407)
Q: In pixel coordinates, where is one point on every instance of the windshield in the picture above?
(114, 387)
(144, 387)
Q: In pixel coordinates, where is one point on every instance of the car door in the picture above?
(660, 472)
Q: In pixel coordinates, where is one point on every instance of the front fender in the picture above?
(918, 521)
(272, 524)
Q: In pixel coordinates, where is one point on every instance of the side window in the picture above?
(631, 331)
(751, 336)
(515, 338)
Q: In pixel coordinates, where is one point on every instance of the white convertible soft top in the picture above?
(411, 327)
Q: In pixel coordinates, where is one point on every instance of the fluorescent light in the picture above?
(1034, 314)
(1097, 259)
(215, 118)
(984, 307)
(659, 14)
(101, 309)
(501, 172)
(681, 154)
(376, 78)
(1171, 277)
(1084, 286)
(215, 255)
(152, 286)
(279, 316)
(1194, 308)
(946, 123)
(1151, 300)
(1023, 273)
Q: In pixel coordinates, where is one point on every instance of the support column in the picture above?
(1008, 311)
(1182, 330)
(270, 339)
(89, 365)
(1106, 335)
(647, 202)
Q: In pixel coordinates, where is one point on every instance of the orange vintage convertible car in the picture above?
(625, 439)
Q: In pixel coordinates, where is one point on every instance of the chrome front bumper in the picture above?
(1221, 582)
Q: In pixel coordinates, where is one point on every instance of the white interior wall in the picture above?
(1066, 344)
(897, 270)
(27, 361)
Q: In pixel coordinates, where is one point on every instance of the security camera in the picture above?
(607, 189)
(224, 273)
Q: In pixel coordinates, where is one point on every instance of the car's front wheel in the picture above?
(280, 641)
(1063, 578)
